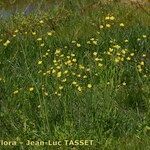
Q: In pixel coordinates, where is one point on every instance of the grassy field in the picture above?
(78, 72)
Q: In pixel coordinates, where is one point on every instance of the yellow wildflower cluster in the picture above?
(93, 41)
(118, 54)
(66, 71)
(109, 17)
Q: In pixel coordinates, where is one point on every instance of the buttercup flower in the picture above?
(89, 85)
(31, 89)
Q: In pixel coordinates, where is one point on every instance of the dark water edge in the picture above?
(25, 8)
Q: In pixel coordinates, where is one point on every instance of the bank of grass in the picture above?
(80, 71)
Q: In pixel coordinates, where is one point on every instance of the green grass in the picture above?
(45, 85)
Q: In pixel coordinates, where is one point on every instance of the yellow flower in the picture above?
(53, 71)
(31, 89)
(39, 106)
(128, 58)
(132, 54)
(48, 71)
(122, 59)
(39, 62)
(16, 31)
(124, 83)
(81, 67)
(62, 55)
(56, 93)
(126, 41)
(41, 21)
(117, 46)
(66, 71)
(100, 65)
(44, 73)
(88, 42)
(118, 54)
(33, 33)
(144, 36)
(107, 18)
(139, 66)
(97, 59)
(108, 83)
(79, 89)
(84, 76)
(92, 39)
(39, 71)
(73, 55)
(59, 74)
(15, 92)
(112, 18)
(121, 24)
(6, 43)
(73, 42)
(95, 42)
(64, 80)
(54, 61)
(57, 51)
(78, 45)
(142, 63)
(49, 33)
(108, 53)
(140, 70)
(74, 60)
(95, 53)
(59, 94)
(46, 54)
(39, 39)
(89, 86)
(68, 63)
(144, 55)
(58, 67)
(123, 51)
(45, 93)
(42, 44)
(61, 87)
(110, 50)
(73, 74)
(108, 25)
(79, 75)
(116, 60)
(74, 83)
(138, 39)
(101, 26)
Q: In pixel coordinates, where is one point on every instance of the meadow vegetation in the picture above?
(79, 71)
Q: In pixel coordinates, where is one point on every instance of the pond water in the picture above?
(11, 7)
